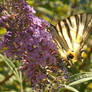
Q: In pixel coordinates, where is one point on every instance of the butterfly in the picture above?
(70, 35)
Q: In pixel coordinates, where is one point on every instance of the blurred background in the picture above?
(52, 11)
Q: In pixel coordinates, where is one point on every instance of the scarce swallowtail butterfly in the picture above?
(70, 35)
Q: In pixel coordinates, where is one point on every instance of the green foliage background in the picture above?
(52, 11)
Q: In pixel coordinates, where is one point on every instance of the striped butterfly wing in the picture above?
(70, 34)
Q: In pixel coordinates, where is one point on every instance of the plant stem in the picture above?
(21, 90)
(7, 78)
(21, 83)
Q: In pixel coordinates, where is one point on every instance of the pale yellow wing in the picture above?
(71, 33)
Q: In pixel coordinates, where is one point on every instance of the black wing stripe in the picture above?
(88, 27)
(81, 18)
(89, 20)
(68, 29)
(65, 43)
(77, 24)
(70, 21)
(85, 25)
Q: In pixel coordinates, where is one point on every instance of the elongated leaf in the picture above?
(13, 68)
(80, 78)
(70, 88)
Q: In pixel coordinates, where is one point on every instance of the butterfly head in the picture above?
(75, 56)
(72, 56)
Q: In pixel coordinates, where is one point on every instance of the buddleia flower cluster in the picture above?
(28, 40)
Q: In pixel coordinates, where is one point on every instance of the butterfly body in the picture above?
(70, 35)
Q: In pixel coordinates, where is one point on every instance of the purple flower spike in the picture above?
(27, 38)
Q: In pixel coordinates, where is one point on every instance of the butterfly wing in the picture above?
(71, 33)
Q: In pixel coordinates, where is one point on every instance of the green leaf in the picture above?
(70, 88)
(80, 78)
(13, 68)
